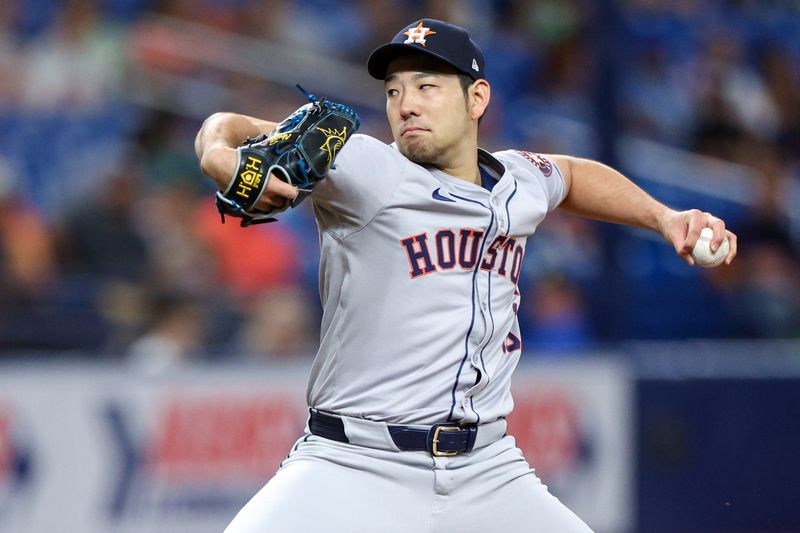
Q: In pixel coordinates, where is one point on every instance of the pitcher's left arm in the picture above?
(597, 191)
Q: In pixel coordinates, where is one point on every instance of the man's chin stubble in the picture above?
(422, 153)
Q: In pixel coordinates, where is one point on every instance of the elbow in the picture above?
(217, 118)
(212, 123)
(206, 133)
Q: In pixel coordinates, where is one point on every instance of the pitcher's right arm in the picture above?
(215, 146)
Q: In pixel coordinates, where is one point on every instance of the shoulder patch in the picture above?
(541, 163)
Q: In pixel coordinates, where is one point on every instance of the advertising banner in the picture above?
(87, 448)
(573, 424)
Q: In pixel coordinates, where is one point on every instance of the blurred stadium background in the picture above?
(119, 285)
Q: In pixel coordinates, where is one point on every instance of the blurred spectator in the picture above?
(173, 338)
(308, 25)
(180, 259)
(179, 256)
(384, 17)
(735, 102)
(165, 146)
(768, 297)
(101, 237)
(557, 319)
(27, 259)
(249, 261)
(77, 64)
(656, 102)
(10, 64)
(28, 274)
(281, 323)
(766, 291)
(106, 257)
(567, 63)
(782, 77)
(565, 245)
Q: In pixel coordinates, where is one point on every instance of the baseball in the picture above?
(702, 250)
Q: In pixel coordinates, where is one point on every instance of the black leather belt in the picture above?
(441, 440)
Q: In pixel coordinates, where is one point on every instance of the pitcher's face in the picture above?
(426, 107)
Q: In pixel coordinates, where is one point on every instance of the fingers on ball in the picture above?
(695, 224)
(733, 242)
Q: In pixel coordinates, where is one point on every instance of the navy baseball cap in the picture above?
(435, 38)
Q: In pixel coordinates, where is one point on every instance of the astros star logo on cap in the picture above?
(417, 34)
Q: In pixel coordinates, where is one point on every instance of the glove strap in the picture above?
(249, 180)
(248, 183)
(248, 218)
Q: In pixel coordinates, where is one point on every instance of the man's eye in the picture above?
(391, 92)
(426, 86)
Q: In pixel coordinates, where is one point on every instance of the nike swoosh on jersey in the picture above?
(437, 196)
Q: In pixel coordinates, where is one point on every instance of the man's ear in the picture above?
(480, 94)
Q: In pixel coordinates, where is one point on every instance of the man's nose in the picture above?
(409, 105)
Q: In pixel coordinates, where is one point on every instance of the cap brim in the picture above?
(379, 59)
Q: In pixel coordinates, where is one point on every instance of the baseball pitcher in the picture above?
(422, 242)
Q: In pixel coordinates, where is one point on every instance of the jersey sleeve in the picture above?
(359, 185)
(546, 173)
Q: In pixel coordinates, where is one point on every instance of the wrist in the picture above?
(219, 164)
(660, 218)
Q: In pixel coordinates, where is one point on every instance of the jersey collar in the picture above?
(488, 160)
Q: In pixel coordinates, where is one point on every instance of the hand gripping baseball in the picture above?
(683, 229)
(300, 151)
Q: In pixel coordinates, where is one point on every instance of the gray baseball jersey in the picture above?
(418, 279)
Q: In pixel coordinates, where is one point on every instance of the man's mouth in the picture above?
(411, 131)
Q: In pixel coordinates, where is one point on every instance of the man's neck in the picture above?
(464, 164)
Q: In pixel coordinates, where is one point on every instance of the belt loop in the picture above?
(330, 427)
(473, 434)
(369, 433)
